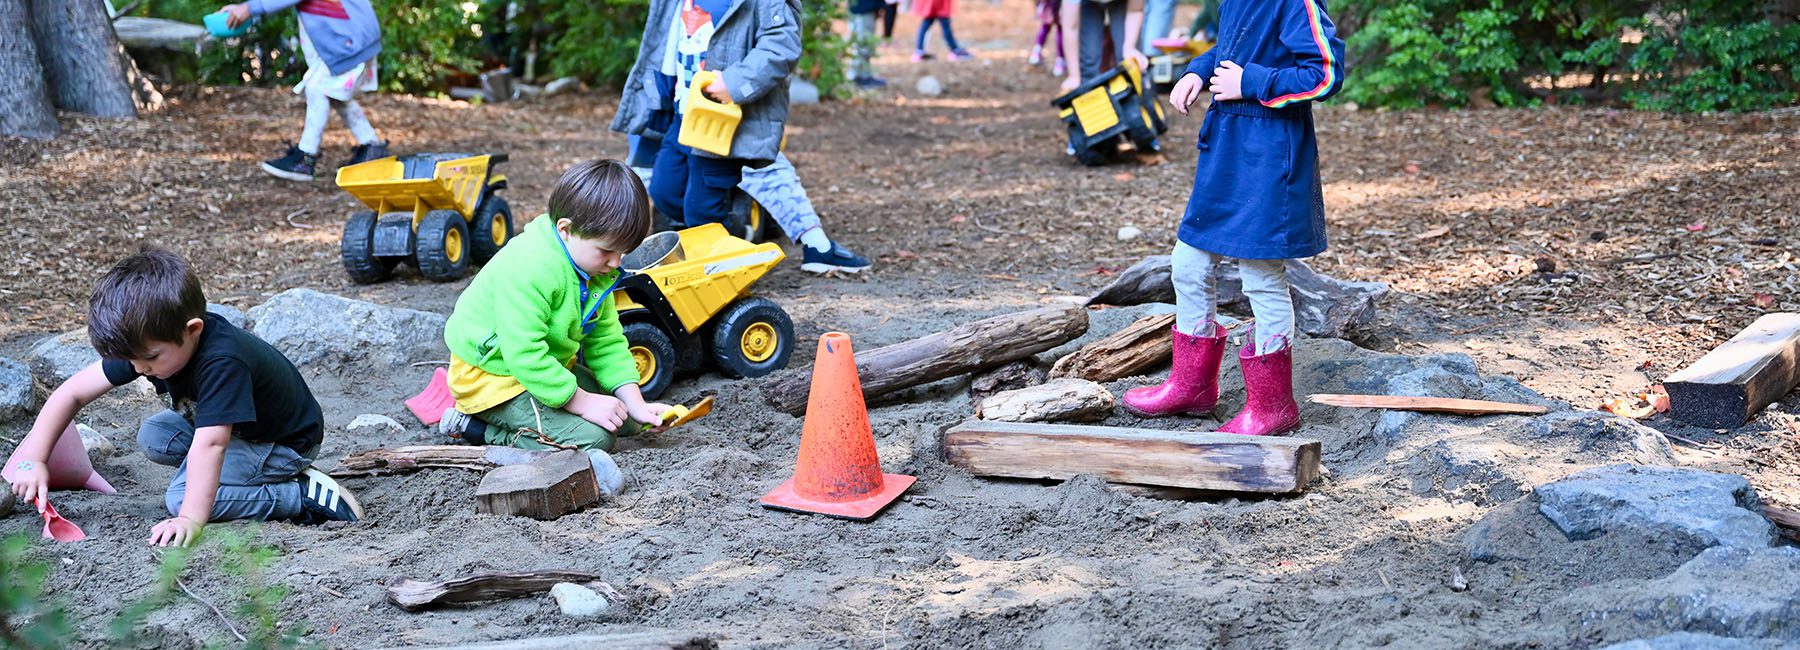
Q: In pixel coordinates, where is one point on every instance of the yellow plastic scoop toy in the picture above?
(708, 125)
(679, 415)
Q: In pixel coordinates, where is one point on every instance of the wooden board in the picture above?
(1428, 404)
(1732, 383)
(414, 595)
(547, 488)
(1142, 345)
(964, 349)
(1203, 461)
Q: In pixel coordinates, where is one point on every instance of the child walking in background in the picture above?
(1257, 198)
(339, 39)
(936, 11)
(1049, 15)
(863, 14)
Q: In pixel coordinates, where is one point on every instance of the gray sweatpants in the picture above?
(862, 45)
(257, 481)
(1196, 276)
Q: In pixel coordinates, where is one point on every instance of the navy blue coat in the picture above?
(1256, 187)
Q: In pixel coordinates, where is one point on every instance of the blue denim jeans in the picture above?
(692, 189)
(1159, 18)
(257, 481)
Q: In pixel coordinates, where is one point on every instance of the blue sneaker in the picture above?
(870, 82)
(836, 259)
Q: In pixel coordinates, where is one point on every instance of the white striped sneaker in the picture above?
(325, 500)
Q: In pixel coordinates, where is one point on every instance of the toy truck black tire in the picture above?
(442, 251)
(751, 338)
(358, 248)
(654, 352)
(491, 228)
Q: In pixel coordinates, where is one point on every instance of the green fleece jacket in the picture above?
(521, 317)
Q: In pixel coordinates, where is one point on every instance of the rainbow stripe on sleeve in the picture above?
(1318, 33)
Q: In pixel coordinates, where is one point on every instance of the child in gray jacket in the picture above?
(340, 39)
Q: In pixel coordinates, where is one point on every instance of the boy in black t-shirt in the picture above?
(242, 425)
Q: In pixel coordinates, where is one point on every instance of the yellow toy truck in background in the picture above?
(685, 302)
(439, 212)
(1111, 113)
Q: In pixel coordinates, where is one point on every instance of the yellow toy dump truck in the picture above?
(437, 211)
(685, 303)
(1109, 111)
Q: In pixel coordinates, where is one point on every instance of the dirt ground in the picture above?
(1585, 253)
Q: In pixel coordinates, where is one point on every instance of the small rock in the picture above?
(1687, 508)
(56, 358)
(357, 333)
(929, 86)
(98, 445)
(1458, 583)
(1128, 233)
(578, 601)
(561, 86)
(367, 420)
(801, 91)
(606, 473)
(15, 389)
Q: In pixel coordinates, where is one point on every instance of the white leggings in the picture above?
(318, 113)
(1196, 275)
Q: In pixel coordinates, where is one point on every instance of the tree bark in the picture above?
(24, 101)
(1140, 346)
(84, 66)
(968, 348)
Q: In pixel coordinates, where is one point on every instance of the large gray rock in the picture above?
(231, 314)
(1605, 433)
(1685, 508)
(1742, 593)
(311, 327)
(16, 396)
(56, 358)
(1684, 641)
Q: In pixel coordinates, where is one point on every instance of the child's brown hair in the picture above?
(604, 200)
(148, 297)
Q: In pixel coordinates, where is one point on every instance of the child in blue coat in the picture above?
(1256, 198)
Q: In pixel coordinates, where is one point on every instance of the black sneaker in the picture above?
(836, 259)
(322, 499)
(297, 165)
(870, 82)
(366, 152)
(461, 428)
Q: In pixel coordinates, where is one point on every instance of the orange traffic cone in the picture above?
(839, 474)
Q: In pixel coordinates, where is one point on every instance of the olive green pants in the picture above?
(526, 423)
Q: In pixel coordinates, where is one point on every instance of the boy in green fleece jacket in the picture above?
(536, 349)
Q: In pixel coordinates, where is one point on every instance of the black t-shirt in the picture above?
(237, 379)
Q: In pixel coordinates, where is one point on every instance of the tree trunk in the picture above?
(84, 65)
(24, 102)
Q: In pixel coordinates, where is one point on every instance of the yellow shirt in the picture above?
(478, 390)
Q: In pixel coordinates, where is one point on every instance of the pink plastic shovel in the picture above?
(69, 466)
(429, 405)
(57, 528)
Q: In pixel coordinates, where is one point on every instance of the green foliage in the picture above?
(30, 622)
(1651, 54)
(597, 41)
(824, 52)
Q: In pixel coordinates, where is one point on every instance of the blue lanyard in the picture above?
(587, 319)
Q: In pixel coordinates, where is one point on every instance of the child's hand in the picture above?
(1227, 81)
(648, 413)
(604, 410)
(1186, 91)
(30, 481)
(179, 531)
(239, 13)
(1136, 55)
(717, 91)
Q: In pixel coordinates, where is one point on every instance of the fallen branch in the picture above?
(292, 215)
(214, 608)
(1142, 345)
(411, 459)
(413, 595)
(1428, 404)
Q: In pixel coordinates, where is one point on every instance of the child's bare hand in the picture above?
(30, 481)
(1137, 56)
(604, 410)
(179, 531)
(1186, 91)
(239, 13)
(717, 91)
(650, 415)
(1227, 81)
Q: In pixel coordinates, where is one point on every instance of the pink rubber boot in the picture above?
(1193, 384)
(1269, 408)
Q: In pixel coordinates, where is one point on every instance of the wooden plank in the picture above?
(1733, 382)
(1428, 404)
(547, 488)
(1203, 461)
(414, 595)
(964, 349)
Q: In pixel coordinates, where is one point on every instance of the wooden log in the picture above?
(1142, 345)
(1428, 404)
(1733, 382)
(1077, 400)
(1323, 306)
(1787, 522)
(401, 460)
(413, 595)
(964, 349)
(547, 488)
(1012, 376)
(639, 640)
(158, 33)
(1203, 461)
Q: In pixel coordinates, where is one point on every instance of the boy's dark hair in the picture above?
(147, 297)
(605, 200)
